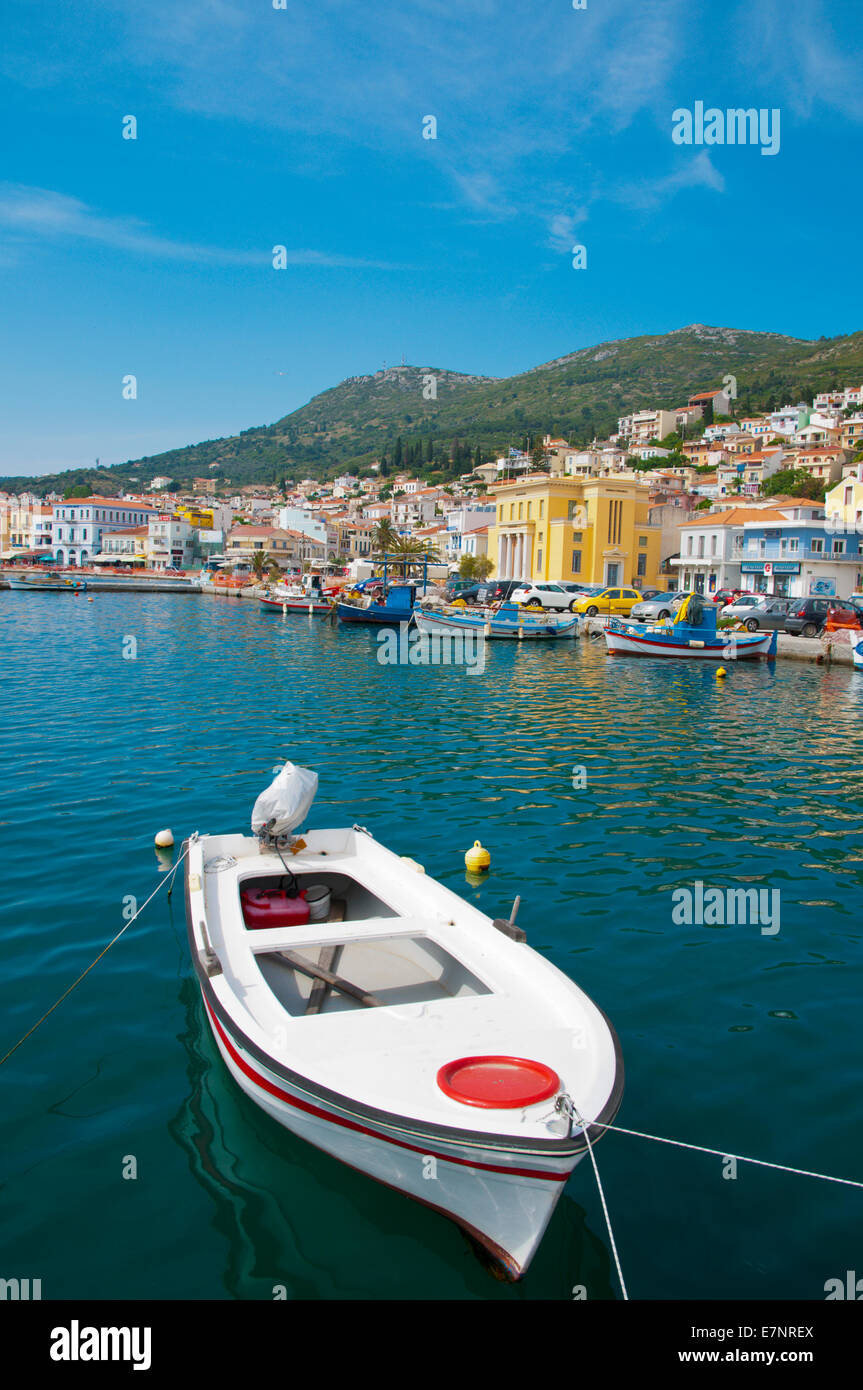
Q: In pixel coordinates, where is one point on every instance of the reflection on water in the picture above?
(729, 1037)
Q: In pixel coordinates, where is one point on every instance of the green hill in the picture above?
(577, 396)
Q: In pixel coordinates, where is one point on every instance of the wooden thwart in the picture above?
(319, 972)
(329, 959)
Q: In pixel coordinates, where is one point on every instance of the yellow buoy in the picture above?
(164, 839)
(477, 859)
(720, 672)
(90, 599)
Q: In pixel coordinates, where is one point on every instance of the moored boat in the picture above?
(304, 596)
(52, 582)
(692, 635)
(507, 621)
(374, 1013)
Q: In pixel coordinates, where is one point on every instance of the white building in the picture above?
(79, 524)
(711, 551)
(169, 542)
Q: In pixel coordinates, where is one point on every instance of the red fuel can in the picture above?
(272, 907)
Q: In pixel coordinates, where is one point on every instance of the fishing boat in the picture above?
(857, 655)
(49, 582)
(507, 621)
(305, 595)
(691, 635)
(384, 601)
(378, 1016)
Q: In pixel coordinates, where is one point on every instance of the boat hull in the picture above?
(375, 616)
(529, 630)
(295, 605)
(504, 1201)
(497, 1173)
(29, 587)
(734, 649)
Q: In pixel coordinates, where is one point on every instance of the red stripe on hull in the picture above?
(298, 1104)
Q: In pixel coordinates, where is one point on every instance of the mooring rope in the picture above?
(724, 1153)
(169, 878)
(574, 1114)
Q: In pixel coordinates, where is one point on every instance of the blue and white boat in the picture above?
(857, 655)
(692, 635)
(393, 604)
(508, 621)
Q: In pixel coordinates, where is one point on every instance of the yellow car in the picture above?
(608, 601)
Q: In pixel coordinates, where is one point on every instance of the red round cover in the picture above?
(498, 1083)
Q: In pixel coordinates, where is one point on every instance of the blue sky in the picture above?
(303, 127)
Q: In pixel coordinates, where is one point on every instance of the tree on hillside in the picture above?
(794, 482)
(537, 457)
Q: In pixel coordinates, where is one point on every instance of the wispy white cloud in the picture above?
(29, 214)
(644, 195)
(800, 52)
(648, 194)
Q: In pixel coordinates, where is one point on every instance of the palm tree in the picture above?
(412, 553)
(384, 537)
(260, 561)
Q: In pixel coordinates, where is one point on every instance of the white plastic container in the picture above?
(318, 897)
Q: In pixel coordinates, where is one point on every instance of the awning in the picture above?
(15, 554)
(118, 560)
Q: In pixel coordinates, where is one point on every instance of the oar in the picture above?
(317, 972)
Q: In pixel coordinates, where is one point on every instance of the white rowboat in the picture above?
(447, 1060)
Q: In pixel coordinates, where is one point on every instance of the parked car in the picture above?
(660, 606)
(619, 601)
(489, 591)
(500, 590)
(547, 595)
(807, 616)
(769, 614)
(739, 607)
(726, 596)
(651, 593)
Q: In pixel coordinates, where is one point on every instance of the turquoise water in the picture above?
(732, 1039)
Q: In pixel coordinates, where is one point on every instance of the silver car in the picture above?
(742, 606)
(662, 606)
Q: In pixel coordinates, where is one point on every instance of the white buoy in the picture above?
(164, 839)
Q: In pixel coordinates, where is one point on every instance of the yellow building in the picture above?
(200, 517)
(589, 529)
(843, 504)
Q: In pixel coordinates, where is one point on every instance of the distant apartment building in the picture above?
(823, 464)
(717, 400)
(650, 425)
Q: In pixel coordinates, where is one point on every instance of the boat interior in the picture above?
(361, 961)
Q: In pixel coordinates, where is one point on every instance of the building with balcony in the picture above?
(791, 551)
(79, 525)
(711, 551)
